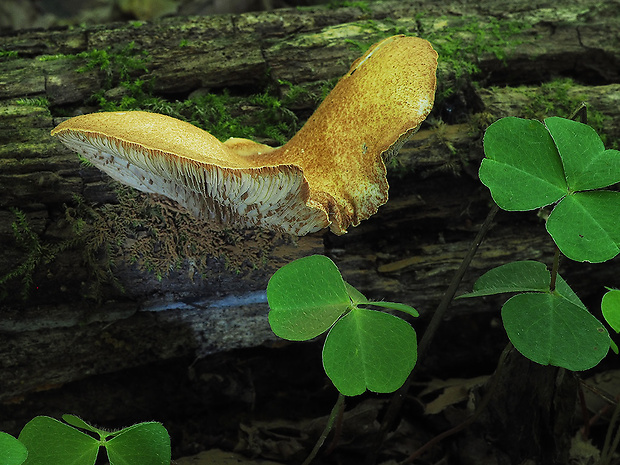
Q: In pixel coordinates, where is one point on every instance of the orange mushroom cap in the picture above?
(331, 173)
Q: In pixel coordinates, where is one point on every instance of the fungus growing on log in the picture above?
(331, 173)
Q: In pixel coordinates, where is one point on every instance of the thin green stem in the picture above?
(338, 407)
(337, 431)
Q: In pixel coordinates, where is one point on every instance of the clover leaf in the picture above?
(548, 327)
(364, 349)
(529, 165)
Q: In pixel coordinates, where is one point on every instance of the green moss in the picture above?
(118, 64)
(275, 120)
(295, 94)
(553, 99)
(223, 115)
(58, 56)
(36, 253)
(363, 6)
(262, 117)
(461, 41)
(33, 102)
(376, 31)
(8, 54)
(557, 98)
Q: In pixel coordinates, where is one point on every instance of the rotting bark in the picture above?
(407, 252)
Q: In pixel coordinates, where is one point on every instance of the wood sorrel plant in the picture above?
(529, 165)
(364, 349)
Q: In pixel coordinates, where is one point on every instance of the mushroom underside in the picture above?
(250, 197)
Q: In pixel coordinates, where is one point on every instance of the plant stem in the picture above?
(446, 300)
(582, 112)
(337, 431)
(338, 407)
(399, 397)
(554, 269)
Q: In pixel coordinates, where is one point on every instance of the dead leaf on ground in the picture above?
(453, 391)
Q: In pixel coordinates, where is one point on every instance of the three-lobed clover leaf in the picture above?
(529, 165)
(550, 328)
(364, 349)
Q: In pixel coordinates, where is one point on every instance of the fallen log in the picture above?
(95, 268)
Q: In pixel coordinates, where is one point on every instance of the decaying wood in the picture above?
(407, 252)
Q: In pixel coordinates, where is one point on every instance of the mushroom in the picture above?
(331, 173)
